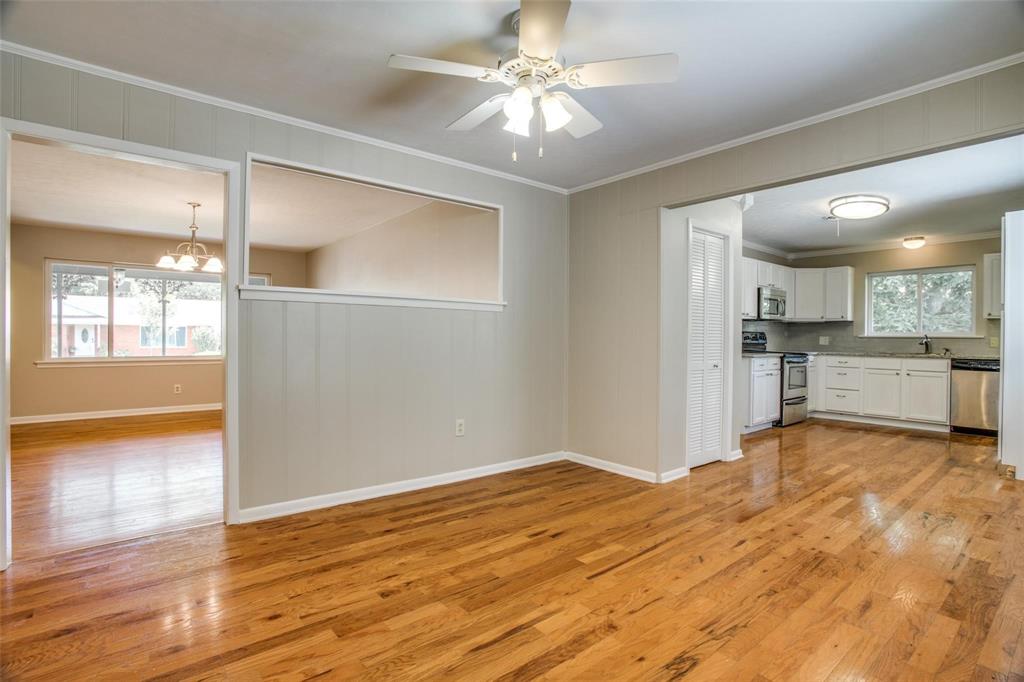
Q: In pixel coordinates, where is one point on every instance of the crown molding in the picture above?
(68, 62)
(981, 69)
(767, 249)
(104, 72)
(886, 245)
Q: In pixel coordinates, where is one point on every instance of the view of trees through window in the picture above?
(910, 303)
(154, 313)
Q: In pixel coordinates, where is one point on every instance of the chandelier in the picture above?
(191, 254)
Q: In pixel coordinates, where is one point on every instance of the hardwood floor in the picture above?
(832, 551)
(85, 483)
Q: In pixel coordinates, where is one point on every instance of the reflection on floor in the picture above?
(86, 483)
(831, 551)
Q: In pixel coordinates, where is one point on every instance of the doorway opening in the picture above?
(118, 303)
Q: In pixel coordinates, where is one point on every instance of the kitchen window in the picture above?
(110, 311)
(935, 301)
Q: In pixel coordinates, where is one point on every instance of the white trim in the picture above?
(735, 455)
(881, 421)
(258, 293)
(109, 414)
(181, 360)
(60, 60)
(673, 475)
(613, 467)
(887, 245)
(232, 170)
(746, 430)
(767, 249)
(305, 504)
(972, 72)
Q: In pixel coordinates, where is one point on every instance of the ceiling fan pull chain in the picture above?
(515, 157)
(540, 137)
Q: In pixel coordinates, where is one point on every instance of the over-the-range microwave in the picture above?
(771, 303)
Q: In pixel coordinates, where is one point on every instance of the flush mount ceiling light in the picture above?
(191, 254)
(913, 242)
(858, 206)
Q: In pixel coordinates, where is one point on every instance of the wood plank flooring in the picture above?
(832, 551)
(85, 483)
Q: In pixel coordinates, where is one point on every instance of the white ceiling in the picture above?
(292, 210)
(54, 185)
(746, 66)
(953, 193)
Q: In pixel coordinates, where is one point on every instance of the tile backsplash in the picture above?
(801, 336)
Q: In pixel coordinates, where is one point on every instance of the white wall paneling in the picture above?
(10, 128)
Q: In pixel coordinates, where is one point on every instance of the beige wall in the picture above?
(440, 250)
(614, 321)
(39, 390)
(286, 268)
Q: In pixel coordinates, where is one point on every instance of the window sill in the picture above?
(918, 336)
(128, 362)
(296, 294)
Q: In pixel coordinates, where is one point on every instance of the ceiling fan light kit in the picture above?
(533, 70)
(913, 242)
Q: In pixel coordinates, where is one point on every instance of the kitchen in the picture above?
(876, 296)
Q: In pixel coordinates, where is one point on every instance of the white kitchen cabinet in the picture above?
(842, 400)
(808, 302)
(841, 377)
(813, 384)
(880, 394)
(925, 396)
(765, 396)
(749, 289)
(992, 288)
(839, 293)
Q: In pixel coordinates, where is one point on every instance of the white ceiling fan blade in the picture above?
(583, 122)
(479, 114)
(402, 61)
(655, 68)
(540, 26)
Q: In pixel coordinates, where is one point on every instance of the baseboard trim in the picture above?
(734, 455)
(613, 467)
(305, 504)
(674, 474)
(880, 421)
(107, 414)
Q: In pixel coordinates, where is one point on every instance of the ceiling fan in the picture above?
(533, 69)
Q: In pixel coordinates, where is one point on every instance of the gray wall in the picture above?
(336, 397)
(613, 378)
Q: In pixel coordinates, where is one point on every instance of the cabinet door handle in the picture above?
(841, 374)
(840, 395)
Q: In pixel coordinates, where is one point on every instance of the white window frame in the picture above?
(47, 357)
(272, 292)
(869, 303)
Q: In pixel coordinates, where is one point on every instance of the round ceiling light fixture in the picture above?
(858, 206)
(913, 242)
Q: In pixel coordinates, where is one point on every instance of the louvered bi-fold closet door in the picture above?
(706, 349)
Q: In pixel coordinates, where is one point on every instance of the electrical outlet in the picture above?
(177, 388)
(823, 340)
(993, 342)
(460, 427)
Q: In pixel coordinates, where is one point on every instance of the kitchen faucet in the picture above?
(927, 343)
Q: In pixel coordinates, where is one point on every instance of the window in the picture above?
(938, 301)
(259, 280)
(112, 311)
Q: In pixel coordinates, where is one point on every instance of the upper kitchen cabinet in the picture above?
(808, 302)
(992, 289)
(775, 276)
(839, 293)
(822, 294)
(748, 307)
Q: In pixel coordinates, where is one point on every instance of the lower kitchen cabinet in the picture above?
(926, 396)
(881, 388)
(765, 397)
(842, 400)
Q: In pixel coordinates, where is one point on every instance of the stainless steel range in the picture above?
(794, 389)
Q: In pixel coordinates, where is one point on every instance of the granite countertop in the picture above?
(934, 356)
(763, 354)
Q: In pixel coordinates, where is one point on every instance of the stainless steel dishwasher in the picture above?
(974, 396)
